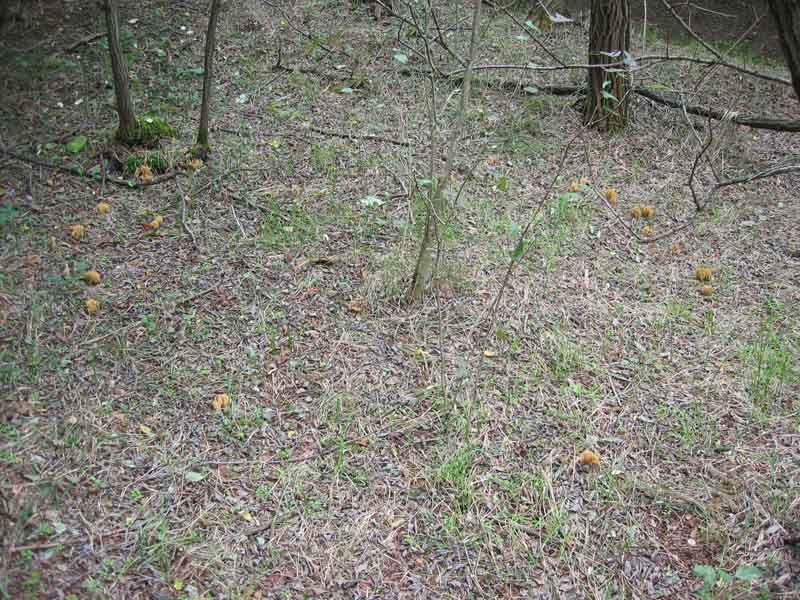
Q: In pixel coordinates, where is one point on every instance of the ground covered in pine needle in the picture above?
(365, 447)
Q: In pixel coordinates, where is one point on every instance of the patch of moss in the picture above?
(149, 130)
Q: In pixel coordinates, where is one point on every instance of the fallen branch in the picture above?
(184, 224)
(68, 542)
(747, 179)
(84, 40)
(719, 115)
(624, 65)
(754, 122)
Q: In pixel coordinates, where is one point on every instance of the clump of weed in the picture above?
(154, 161)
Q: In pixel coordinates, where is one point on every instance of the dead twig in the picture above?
(184, 224)
(368, 136)
(84, 40)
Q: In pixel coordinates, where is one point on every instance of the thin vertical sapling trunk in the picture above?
(202, 147)
(606, 104)
(437, 203)
(127, 132)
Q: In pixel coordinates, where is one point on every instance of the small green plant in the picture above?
(456, 473)
(769, 362)
(156, 162)
(324, 159)
(285, 226)
(715, 578)
(7, 214)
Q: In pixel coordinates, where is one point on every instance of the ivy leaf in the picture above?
(194, 476)
(748, 573)
(609, 96)
(371, 201)
(705, 572)
(531, 25)
(519, 250)
(77, 144)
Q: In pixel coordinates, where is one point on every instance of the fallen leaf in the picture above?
(489, 353)
(221, 402)
(706, 290)
(77, 231)
(575, 186)
(103, 208)
(144, 174)
(145, 430)
(92, 277)
(703, 274)
(355, 306)
(587, 457)
(92, 306)
(155, 223)
(612, 196)
(195, 164)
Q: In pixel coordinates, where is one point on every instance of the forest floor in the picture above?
(373, 448)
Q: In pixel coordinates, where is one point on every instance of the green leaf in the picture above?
(502, 184)
(724, 576)
(346, 90)
(609, 96)
(77, 144)
(705, 572)
(519, 250)
(748, 573)
(531, 25)
(401, 58)
(194, 476)
(522, 37)
(371, 201)
(531, 89)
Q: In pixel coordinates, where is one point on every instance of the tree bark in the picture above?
(787, 20)
(3, 14)
(127, 119)
(606, 105)
(208, 80)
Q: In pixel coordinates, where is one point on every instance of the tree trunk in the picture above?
(127, 131)
(609, 39)
(202, 149)
(3, 14)
(787, 20)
